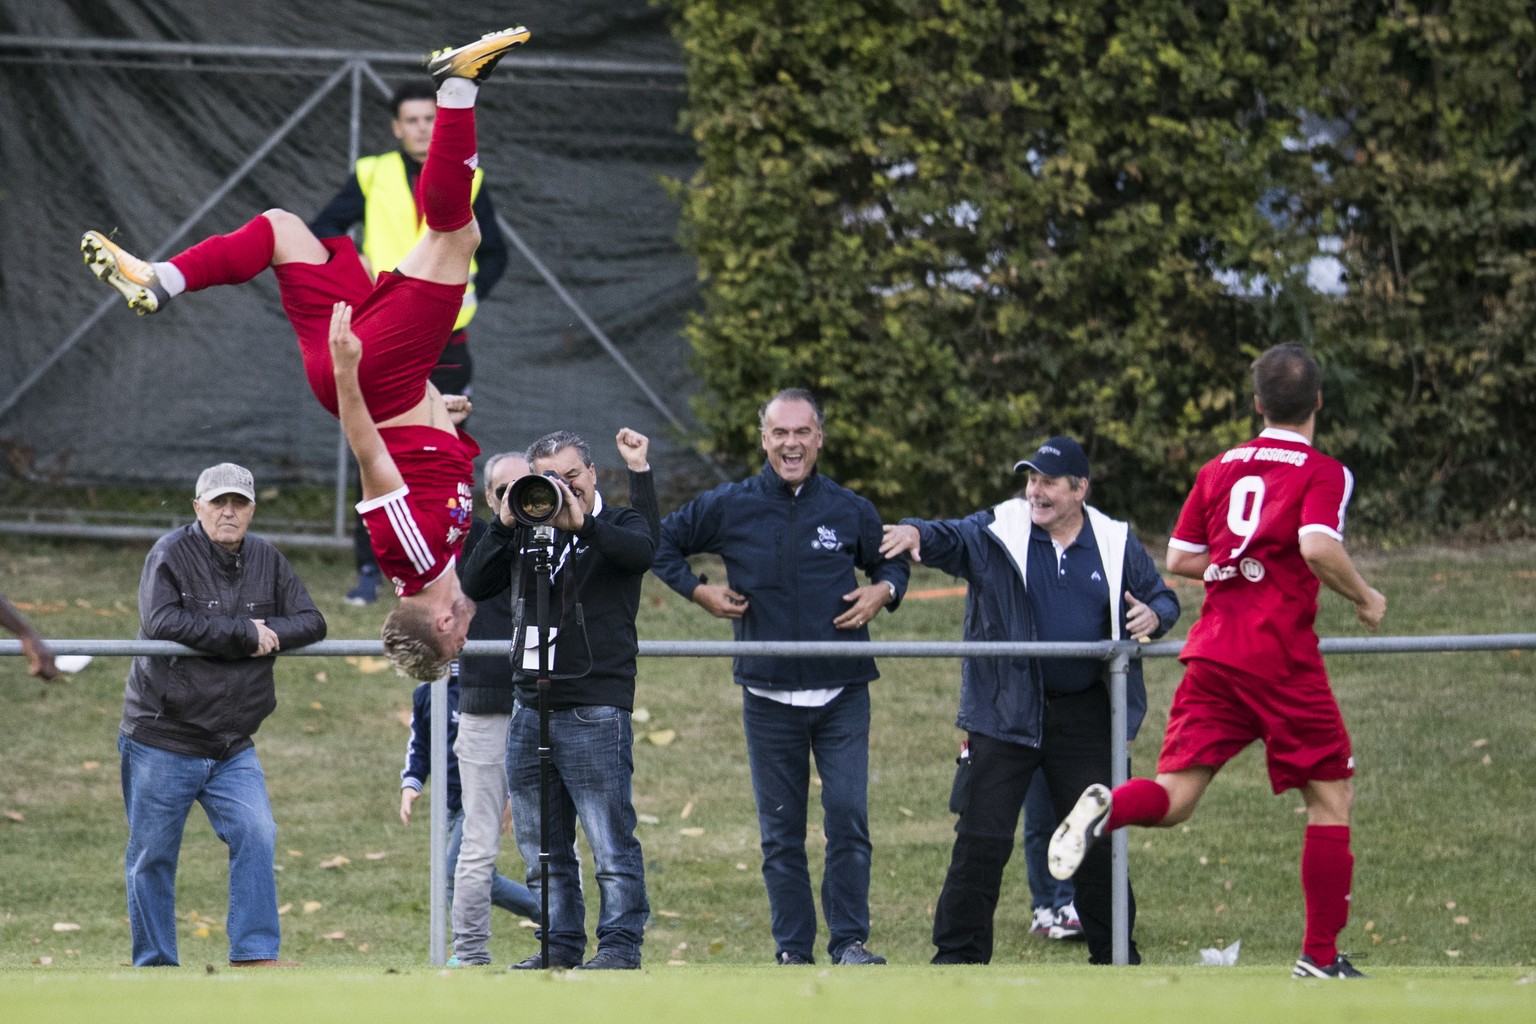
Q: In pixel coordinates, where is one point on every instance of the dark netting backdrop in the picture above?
(578, 130)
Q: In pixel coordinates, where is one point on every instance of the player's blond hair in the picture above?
(411, 642)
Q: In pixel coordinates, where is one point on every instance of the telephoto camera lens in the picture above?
(535, 500)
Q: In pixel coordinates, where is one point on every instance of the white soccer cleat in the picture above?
(1083, 824)
(131, 276)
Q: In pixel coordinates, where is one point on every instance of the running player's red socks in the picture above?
(1137, 802)
(1327, 869)
(443, 187)
(228, 259)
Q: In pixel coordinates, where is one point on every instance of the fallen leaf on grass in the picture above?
(321, 677)
(1453, 953)
(368, 664)
(691, 833)
(341, 860)
(378, 855)
(1487, 759)
(284, 908)
(668, 913)
(403, 716)
(662, 737)
(648, 819)
(65, 926)
(91, 766)
(201, 932)
(716, 945)
(310, 906)
(16, 816)
(641, 715)
(295, 853)
(906, 812)
(43, 961)
(687, 810)
(316, 705)
(362, 947)
(740, 866)
(334, 936)
(1461, 919)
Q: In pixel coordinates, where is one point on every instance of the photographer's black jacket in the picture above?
(602, 573)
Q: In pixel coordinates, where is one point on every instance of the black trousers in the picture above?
(989, 794)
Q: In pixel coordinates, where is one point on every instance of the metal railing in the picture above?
(1118, 654)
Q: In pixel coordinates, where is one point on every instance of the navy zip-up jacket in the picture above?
(793, 557)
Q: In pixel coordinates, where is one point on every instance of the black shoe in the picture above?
(785, 958)
(610, 960)
(475, 60)
(854, 953)
(1306, 967)
(536, 963)
(1083, 824)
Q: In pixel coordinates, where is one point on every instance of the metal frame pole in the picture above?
(1119, 769)
(437, 899)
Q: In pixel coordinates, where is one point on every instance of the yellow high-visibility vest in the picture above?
(391, 227)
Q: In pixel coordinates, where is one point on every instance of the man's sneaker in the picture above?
(1306, 967)
(787, 959)
(1065, 924)
(367, 589)
(1044, 918)
(1077, 831)
(536, 963)
(475, 60)
(124, 271)
(854, 954)
(610, 960)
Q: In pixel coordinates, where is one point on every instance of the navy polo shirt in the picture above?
(1069, 600)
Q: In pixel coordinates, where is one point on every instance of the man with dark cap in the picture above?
(1042, 567)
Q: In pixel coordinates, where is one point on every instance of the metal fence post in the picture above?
(438, 865)
(1119, 769)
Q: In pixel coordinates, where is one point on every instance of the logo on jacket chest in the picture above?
(826, 540)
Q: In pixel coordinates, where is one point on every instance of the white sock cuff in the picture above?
(457, 93)
(172, 280)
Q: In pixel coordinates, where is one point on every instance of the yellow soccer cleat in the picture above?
(475, 60)
(131, 276)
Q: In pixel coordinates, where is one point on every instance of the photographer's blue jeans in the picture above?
(593, 770)
(781, 739)
(159, 789)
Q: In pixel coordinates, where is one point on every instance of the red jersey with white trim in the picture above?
(1249, 509)
(418, 530)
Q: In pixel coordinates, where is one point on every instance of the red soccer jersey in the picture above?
(1249, 509)
(418, 530)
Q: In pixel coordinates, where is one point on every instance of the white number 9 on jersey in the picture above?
(1243, 510)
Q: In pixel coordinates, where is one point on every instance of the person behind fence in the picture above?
(598, 557)
(39, 654)
(381, 194)
(501, 891)
(1046, 567)
(1052, 910)
(1262, 526)
(485, 709)
(416, 466)
(792, 541)
(188, 721)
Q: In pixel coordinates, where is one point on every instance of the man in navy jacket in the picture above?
(1042, 567)
(792, 540)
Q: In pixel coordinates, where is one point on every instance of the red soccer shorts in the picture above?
(402, 322)
(1218, 710)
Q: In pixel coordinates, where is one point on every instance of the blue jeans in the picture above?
(1046, 891)
(593, 765)
(781, 740)
(159, 788)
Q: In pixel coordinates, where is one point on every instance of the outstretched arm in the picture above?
(376, 466)
(39, 656)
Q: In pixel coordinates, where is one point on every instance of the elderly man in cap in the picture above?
(1042, 567)
(187, 722)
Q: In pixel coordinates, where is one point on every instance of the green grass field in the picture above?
(1445, 828)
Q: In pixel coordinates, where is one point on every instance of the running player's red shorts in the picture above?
(402, 322)
(1218, 710)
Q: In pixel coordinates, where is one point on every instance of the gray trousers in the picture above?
(482, 750)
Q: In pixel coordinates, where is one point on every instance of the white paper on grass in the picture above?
(1213, 957)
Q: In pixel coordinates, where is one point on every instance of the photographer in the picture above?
(598, 556)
